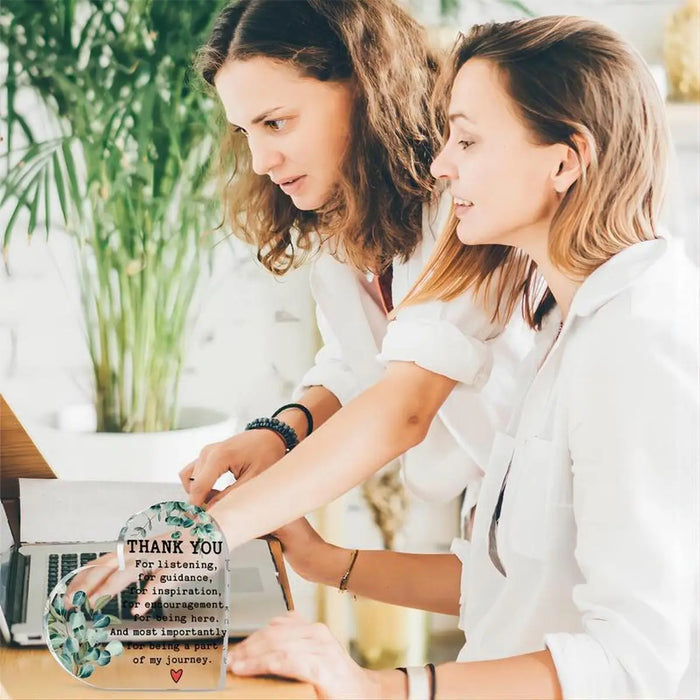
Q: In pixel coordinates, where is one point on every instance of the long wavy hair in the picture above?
(572, 80)
(375, 212)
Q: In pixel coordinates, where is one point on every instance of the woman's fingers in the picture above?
(281, 633)
(298, 662)
(147, 597)
(206, 470)
(185, 473)
(89, 580)
(115, 582)
(291, 616)
(291, 647)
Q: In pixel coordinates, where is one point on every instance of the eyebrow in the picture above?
(459, 115)
(261, 117)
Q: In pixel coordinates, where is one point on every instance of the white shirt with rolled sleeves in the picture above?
(598, 530)
(456, 339)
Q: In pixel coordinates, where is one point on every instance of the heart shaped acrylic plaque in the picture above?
(154, 615)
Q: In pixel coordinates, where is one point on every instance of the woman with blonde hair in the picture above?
(580, 579)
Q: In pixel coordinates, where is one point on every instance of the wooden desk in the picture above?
(32, 673)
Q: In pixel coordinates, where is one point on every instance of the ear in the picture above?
(569, 168)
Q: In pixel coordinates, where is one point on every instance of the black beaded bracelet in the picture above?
(286, 432)
(303, 409)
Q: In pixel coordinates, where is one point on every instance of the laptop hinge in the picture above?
(17, 589)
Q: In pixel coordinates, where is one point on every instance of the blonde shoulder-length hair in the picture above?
(576, 82)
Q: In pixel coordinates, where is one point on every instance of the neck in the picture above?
(562, 287)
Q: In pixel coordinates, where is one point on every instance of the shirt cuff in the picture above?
(584, 668)
(438, 347)
(340, 381)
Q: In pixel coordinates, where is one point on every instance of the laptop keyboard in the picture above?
(62, 564)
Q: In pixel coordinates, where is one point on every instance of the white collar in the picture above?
(615, 275)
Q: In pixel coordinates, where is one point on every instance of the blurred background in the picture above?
(108, 133)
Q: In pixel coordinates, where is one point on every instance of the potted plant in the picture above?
(120, 158)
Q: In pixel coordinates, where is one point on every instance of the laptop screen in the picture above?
(6, 544)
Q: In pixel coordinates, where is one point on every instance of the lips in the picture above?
(290, 185)
(286, 180)
(461, 206)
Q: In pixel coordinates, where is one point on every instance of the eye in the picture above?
(276, 124)
(465, 144)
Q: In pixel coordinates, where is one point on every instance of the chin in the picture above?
(469, 235)
(309, 202)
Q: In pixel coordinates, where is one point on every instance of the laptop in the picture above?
(42, 538)
(29, 571)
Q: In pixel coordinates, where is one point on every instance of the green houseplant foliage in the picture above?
(122, 163)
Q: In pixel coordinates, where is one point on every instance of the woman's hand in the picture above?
(292, 647)
(245, 455)
(104, 577)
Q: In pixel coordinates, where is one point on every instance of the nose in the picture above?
(442, 167)
(265, 157)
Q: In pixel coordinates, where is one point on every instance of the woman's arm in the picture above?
(379, 425)
(289, 646)
(424, 581)
(525, 676)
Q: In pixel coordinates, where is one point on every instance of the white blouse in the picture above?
(456, 339)
(598, 534)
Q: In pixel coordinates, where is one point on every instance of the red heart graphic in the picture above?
(176, 675)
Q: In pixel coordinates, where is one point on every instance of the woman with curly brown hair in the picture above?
(328, 147)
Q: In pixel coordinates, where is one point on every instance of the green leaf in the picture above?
(71, 171)
(85, 671)
(59, 605)
(76, 619)
(104, 658)
(78, 600)
(100, 621)
(21, 204)
(60, 187)
(114, 648)
(71, 645)
(34, 206)
(57, 640)
(101, 601)
(47, 198)
(91, 637)
(92, 654)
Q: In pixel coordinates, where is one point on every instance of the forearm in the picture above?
(320, 401)
(378, 426)
(526, 676)
(424, 581)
